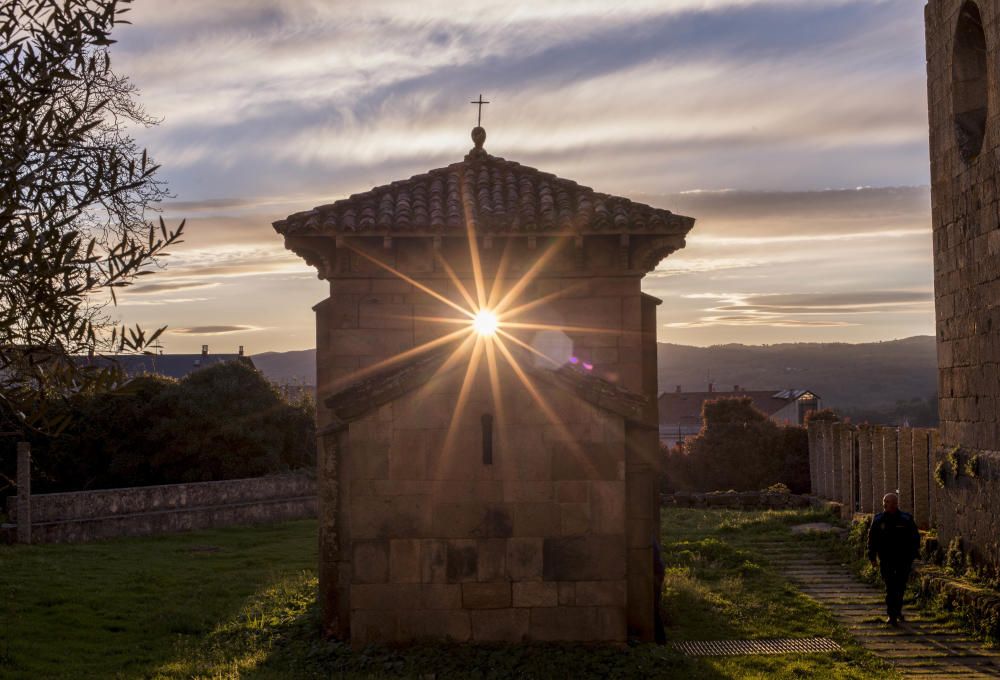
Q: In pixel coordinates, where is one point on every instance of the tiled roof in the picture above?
(497, 195)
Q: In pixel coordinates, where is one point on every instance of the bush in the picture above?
(739, 448)
(221, 422)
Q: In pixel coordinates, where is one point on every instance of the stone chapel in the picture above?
(487, 406)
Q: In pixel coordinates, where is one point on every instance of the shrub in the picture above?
(941, 474)
(739, 448)
(954, 557)
(221, 422)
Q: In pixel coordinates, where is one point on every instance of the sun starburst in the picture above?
(487, 320)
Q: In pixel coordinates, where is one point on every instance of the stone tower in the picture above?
(484, 486)
(963, 72)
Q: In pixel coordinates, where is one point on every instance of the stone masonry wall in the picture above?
(532, 546)
(595, 315)
(373, 315)
(963, 82)
(137, 511)
(967, 506)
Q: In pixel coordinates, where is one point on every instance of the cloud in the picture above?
(213, 330)
(161, 302)
(317, 97)
(170, 286)
(798, 310)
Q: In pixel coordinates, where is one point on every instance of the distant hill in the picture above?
(296, 368)
(855, 377)
(858, 377)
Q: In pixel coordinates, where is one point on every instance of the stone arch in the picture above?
(969, 92)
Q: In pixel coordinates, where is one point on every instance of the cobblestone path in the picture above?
(921, 647)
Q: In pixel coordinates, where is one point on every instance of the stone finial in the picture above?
(478, 138)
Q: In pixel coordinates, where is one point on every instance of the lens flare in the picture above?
(485, 322)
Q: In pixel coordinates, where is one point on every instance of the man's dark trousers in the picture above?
(895, 573)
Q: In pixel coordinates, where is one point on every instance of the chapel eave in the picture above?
(491, 195)
(363, 396)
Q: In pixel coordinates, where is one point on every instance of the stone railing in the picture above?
(857, 465)
(81, 516)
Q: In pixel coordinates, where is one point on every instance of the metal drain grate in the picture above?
(755, 647)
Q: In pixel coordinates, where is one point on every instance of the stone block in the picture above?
(500, 625)
(584, 558)
(600, 593)
(578, 624)
(530, 491)
(373, 313)
(496, 595)
(462, 561)
(536, 519)
(607, 500)
(472, 519)
(575, 519)
(577, 461)
(567, 593)
(525, 559)
(491, 563)
(433, 561)
(572, 492)
(408, 453)
(535, 594)
(373, 626)
(404, 560)
(385, 596)
(435, 625)
(460, 491)
(378, 517)
(371, 562)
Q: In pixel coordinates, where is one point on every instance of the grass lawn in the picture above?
(240, 603)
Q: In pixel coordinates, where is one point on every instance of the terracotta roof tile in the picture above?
(500, 196)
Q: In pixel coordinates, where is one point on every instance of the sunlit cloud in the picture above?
(168, 287)
(213, 330)
(798, 310)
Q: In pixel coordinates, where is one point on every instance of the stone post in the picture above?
(813, 433)
(890, 458)
(921, 479)
(933, 454)
(865, 466)
(847, 479)
(906, 469)
(23, 492)
(829, 447)
(878, 467)
(836, 464)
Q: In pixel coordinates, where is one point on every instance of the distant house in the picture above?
(172, 365)
(680, 412)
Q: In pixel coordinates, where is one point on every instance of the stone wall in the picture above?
(963, 84)
(590, 308)
(138, 511)
(967, 504)
(857, 465)
(431, 541)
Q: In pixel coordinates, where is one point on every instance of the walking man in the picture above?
(895, 541)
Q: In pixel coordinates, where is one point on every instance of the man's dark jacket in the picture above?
(894, 537)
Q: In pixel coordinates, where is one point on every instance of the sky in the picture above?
(795, 131)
